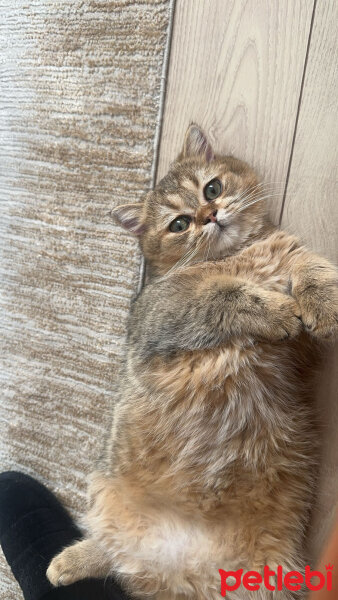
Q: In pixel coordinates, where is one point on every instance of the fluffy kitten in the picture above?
(212, 451)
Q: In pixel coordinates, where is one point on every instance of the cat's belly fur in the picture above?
(191, 495)
(158, 537)
(215, 471)
(154, 548)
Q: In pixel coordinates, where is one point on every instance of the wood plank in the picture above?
(311, 206)
(236, 68)
(311, 210)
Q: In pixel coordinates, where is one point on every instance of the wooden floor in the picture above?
(260, 77)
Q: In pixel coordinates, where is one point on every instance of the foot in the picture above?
(33, 528)
(82, 560)
(319, 308)
(273, 316)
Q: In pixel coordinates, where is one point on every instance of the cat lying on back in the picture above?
(212, 451)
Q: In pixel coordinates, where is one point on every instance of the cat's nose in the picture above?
(211, 218)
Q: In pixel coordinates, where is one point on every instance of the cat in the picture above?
(212, 453)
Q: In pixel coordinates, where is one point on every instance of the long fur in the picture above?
(211, 458)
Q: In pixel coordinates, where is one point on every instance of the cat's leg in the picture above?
(315, 287)
(185, 313)
(79, 561)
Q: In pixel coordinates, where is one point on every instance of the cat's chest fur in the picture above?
(267, 262)
(213, 410)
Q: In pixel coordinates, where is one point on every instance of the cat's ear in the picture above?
(196, 144)
(130, 216)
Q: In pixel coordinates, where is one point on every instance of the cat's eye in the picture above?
(180, 224)
(212, 190)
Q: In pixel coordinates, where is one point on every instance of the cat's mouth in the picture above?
(222, 225)
(217, 226)
(222, 235)
(218, 220)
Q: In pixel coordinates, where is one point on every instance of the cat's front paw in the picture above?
(319, 311)
(63, 569)
(282, 317)
(274, 316)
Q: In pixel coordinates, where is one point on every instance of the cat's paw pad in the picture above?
(61, 570)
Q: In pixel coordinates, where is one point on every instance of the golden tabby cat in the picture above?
(212, 452)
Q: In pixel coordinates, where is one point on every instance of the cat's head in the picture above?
(206, 207)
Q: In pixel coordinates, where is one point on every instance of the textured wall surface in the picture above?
(79, 112)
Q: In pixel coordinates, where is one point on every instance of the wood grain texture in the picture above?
(311, 206)
(236, 68)
(311, 210)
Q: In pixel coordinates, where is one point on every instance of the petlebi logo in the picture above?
(276, 580)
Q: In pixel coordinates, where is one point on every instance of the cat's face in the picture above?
(205, 208)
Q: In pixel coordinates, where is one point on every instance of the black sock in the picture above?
(34, 527)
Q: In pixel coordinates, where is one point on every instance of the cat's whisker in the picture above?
(259, 188)
(251, 200)
(248, 204)
(258, 193)
(260, 196)
(253, 195)
(186, 258)
(262, 190)
(207, 250)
